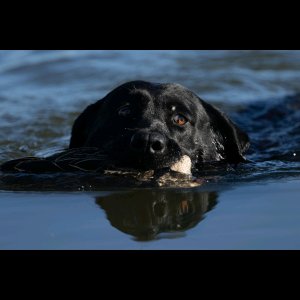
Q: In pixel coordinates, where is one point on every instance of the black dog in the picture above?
(148, 125)
(142, 125)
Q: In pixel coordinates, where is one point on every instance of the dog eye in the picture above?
(180, 120)
(124, 111)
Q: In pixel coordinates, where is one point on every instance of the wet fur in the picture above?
(210, 136)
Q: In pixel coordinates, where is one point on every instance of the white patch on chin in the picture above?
(184, 165)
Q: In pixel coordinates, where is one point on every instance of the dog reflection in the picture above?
(146, 213)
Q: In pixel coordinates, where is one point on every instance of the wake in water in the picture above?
(274, 130)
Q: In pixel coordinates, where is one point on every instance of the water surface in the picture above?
(255, 206)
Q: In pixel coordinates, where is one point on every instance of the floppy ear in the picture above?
(84, 124)
(233, 139)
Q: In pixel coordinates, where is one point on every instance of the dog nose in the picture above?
(155, 143)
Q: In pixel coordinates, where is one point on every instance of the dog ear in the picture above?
(230, 136)
(84, 124)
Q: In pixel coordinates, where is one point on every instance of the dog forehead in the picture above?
(168, 100)
(130, 95)
(154, 96)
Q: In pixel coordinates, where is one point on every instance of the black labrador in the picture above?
(145, 126)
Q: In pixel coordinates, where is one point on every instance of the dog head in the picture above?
(145, 125)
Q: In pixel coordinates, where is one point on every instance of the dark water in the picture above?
(255, 206)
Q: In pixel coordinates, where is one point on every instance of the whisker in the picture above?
(131, 129)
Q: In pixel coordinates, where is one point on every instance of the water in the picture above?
(253, 207)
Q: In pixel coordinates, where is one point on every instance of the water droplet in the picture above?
(23, 148)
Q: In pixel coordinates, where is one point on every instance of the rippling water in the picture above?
(42, 92)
